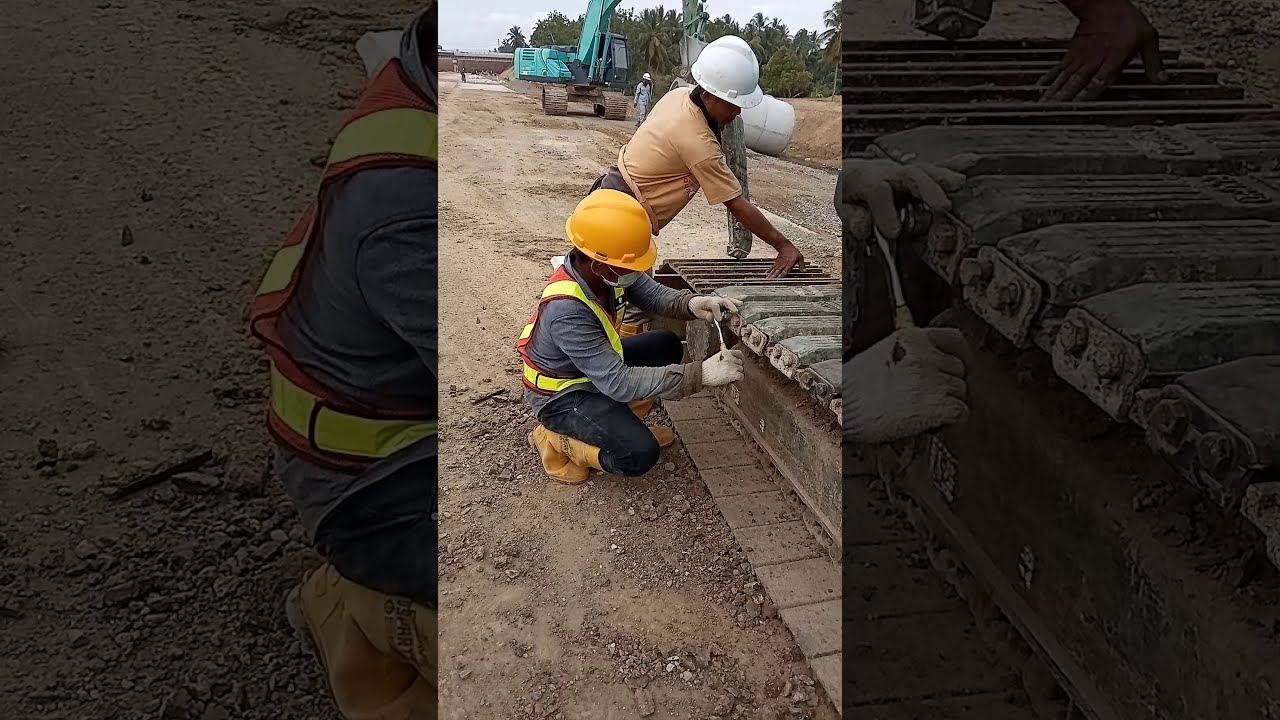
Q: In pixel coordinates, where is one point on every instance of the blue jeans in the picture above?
(386, 537)
(626, 445)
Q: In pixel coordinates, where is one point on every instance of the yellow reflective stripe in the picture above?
(280, 271)
(526, 332)
(399, 131)
(291, 403)
(571, 287)
(341, 433)
(550, 384)
(564, 287)
(350, 435)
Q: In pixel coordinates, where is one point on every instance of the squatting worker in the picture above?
(678, 148)
(589, 387)
(347, 311)
(914, 380)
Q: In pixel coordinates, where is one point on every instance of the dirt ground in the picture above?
(154, 154)
(563, 602)
(817, 134)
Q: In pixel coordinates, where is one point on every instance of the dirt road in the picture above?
(154, 153)
(562, 602)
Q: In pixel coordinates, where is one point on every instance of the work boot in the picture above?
(378, 651)
(567, 460)
(627, 329)
(664, 435)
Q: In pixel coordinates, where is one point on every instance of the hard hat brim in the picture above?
(748, 101)
(638, 264)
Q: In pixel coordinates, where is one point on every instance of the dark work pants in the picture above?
(384, 535)
(626, 445)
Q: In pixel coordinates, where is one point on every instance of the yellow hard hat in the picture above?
(612, 227)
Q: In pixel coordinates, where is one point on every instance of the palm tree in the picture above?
(514, 39)
(804, 43)
(830, 37)
(657, 37)
(721, 26)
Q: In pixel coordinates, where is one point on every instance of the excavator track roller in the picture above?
(555, 100)
(615, 106)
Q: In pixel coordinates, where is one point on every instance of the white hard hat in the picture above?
(647, 76)
(727, 68)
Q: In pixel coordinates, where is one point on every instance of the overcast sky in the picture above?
(482, 25)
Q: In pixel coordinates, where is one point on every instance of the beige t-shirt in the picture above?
(671, 155)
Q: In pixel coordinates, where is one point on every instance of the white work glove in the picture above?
(869, 192)
(910, 383)
(709, 307)
(722, 368)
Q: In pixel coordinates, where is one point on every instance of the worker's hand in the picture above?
(871, 191)
(786, 261)
(1110, 34)
(709, 307)
(722, 368)
(910, 383)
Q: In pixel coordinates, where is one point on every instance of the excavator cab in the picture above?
(616, 62)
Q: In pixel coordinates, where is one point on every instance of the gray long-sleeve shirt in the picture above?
(570, 340)
(363, 322)
(644, 92)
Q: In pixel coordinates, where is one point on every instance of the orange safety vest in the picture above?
(391, 126)
(562, 285)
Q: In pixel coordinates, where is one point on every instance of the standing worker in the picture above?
(589, 387)
(678, 151)
(347, 311)
(644, 94)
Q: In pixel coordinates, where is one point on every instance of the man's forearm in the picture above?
(755, 221)
(652, 296)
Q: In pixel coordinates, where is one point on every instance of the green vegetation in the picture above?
(801, 64)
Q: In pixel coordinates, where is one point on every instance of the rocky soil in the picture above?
(154, 154)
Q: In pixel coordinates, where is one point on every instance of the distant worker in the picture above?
(644, 94)
(589, 387)
(347, 311)
(678, 151)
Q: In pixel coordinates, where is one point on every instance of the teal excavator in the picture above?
(593, 72)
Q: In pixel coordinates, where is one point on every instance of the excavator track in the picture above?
(1114, 494)
(931, 637)
(555, 100)
(615, 105)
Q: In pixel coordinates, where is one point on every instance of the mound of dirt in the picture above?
(506, 74)
(817, 135)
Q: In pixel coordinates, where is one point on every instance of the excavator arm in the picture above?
(592, 42)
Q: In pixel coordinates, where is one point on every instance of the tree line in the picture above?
(800, 64)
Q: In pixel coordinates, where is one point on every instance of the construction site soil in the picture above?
(154, 154)
(603, 600)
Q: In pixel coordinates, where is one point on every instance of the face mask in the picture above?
(623, 280)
